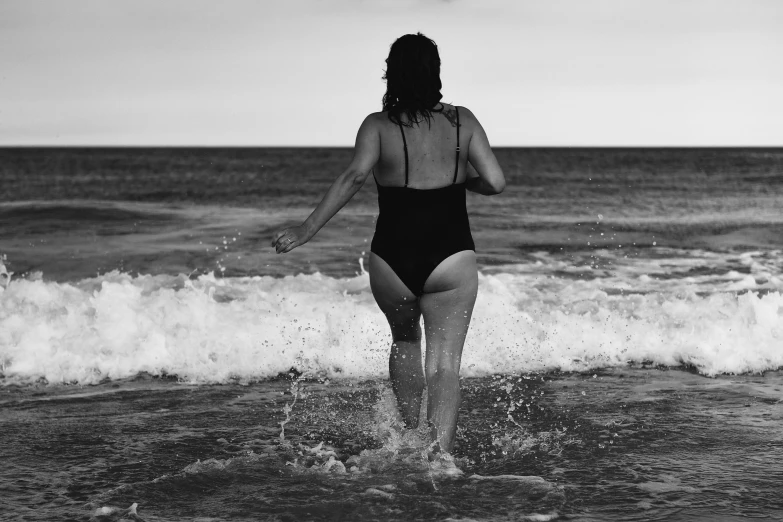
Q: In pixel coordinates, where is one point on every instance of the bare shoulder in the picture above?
(467, 120)
(371, 125)
(375, 119)
(467, 115)
(450, 111)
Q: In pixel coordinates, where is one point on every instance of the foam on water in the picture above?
(551, 313)
(5, 276)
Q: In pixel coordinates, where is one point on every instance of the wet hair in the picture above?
(412, 79)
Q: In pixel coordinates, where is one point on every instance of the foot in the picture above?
(442, 464)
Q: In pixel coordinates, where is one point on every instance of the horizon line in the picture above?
(180, 146)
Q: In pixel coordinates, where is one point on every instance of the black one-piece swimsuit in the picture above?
(418, 228)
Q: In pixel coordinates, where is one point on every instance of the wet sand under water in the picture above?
(630, 444)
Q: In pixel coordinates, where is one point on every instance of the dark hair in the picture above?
(412, 79)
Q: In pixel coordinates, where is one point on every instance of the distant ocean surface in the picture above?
(591, 257)
(613, 283)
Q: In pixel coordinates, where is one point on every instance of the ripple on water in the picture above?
(579, 446)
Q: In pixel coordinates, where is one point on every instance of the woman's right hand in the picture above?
(290, 238)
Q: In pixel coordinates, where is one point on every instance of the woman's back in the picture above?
(431, 150)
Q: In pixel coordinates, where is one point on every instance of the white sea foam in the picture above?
(5, 276)
(526, 318)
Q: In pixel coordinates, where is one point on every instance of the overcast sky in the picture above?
(306, 72)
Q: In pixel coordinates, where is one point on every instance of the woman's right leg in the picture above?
(401, 308)
(447, 305)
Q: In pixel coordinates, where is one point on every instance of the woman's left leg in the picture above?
(401, 308)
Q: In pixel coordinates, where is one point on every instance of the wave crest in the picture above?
(212, 330)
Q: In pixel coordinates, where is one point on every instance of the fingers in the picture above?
(287, 240)
(281, 239)
(277, 236)
(287, 247)
(286, 243)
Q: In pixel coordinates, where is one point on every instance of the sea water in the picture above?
(622, 362)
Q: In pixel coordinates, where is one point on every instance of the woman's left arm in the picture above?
(365, 156)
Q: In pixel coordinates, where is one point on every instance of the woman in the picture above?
(422, 259)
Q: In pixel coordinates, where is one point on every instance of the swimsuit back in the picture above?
(418, 228)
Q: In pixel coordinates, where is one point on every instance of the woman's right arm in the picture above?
(365, 156)
(490, 179)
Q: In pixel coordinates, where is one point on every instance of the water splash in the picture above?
(107, 513)
(288, 408)
(5, 275)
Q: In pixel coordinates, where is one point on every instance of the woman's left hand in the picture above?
(290, 238)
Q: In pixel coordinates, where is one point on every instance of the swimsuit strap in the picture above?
(405, 148)
(456, 165)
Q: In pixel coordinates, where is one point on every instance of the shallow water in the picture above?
(623, 444)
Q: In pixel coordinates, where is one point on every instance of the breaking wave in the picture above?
(528, 317)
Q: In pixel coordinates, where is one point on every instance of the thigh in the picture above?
(396, 301)
(447, 306)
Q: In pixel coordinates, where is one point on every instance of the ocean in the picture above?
(158, 361)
